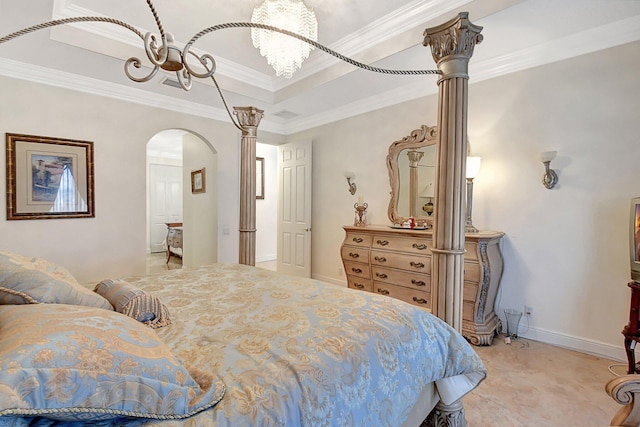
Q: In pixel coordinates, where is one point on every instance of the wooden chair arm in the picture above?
(624, 390)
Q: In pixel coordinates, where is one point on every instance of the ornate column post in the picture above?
(249, 119)
(452, 45)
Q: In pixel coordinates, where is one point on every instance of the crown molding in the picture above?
(606, 36)
(598, 38)
(66, 9)
(386, 28)
(62, 79)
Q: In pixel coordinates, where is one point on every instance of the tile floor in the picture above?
(530, 384)
(157, 262)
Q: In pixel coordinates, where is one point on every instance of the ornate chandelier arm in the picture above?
(44, 25)
(156, 56)
(224, 101)
(299, 37)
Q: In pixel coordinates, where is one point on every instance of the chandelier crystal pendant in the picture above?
(284, 53)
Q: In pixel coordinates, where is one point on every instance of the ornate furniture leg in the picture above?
(625, 390)
(630, 331)
(446, 416)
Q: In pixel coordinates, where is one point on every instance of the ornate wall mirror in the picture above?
(411, 163)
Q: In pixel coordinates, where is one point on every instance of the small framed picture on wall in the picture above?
(49, 177)
(198, 181)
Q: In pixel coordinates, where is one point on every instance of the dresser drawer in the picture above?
(174, 238)
(357, 269)
(471, 272)
(359, 283)
(407, 279)
(468, 308)
(418, 245)
(355, 253)
(470, 291)
(416, 263)
(412, 296)
(358, 239)
(471, 251)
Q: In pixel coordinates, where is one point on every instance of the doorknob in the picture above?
(307, 229)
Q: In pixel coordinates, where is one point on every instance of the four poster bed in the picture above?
(235, 345)
(246, 346)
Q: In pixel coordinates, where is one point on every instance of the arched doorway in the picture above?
(172, 156)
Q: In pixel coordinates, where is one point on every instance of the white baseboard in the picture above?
(330, 280)
(595, 348)
(266, 258)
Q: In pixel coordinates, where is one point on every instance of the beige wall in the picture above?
(200, 210)
(112, 244)
(565, 249)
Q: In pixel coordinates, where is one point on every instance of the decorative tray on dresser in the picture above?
(397, 262)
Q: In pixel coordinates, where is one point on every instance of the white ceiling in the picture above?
(518, 34)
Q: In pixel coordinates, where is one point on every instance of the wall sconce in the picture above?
(473, 167)
(550, 178)
(352, 185)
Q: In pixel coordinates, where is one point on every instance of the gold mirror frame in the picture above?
(419, 138)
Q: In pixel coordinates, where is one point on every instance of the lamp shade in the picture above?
(547, 156)
(473, 166)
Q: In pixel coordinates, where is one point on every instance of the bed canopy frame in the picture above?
(452, 45)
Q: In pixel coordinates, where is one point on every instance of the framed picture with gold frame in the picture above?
(259, 177)
(49, 178)
(198, 181)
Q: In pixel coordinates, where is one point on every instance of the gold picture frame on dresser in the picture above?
(397, 263)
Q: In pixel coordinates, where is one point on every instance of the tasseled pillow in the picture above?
(134, 302)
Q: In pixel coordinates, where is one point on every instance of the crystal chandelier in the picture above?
(285, 54)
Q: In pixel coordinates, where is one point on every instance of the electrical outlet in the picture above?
(528, 311)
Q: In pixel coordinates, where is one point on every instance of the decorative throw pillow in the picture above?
(69, 362)
(134, 302)
(43, 281)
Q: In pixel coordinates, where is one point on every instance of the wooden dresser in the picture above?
(397, 263)
(174, 239)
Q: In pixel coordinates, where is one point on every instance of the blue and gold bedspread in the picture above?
(299, 352)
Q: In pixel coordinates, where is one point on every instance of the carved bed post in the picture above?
(249, 119)
(452, 45)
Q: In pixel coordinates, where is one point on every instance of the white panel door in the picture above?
(294, 209)
(165, 202)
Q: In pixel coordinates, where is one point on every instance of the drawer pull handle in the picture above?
(382, 275)
(420, 246)
(419, 300)
(380, 259)
(352, 255)
(383, 242)
(417, 264)
(383, 291)
(358, 285)
(356, 270)
(358, 239)
(418, 282)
